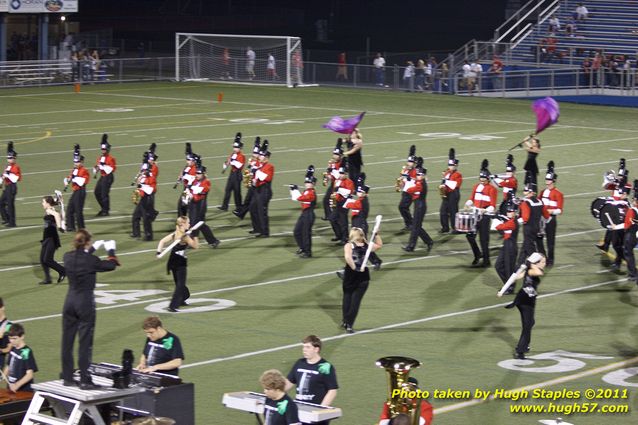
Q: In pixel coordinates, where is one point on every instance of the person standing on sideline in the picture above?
(10, 178)
(51, 240)
(198, 206)
(314, 377)
(250, 63)
(162, 351)
(355, 281)
(308, 201)
(177, 261)
(236, 162)
(106, 166)
(553, 205)
(342, 68)
(450, 191)
(418, 192)
(271, 70)
(379, 69)
(78, 314)
(78, 179)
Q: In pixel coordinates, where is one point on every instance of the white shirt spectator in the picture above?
(475, 69)
(554, 24)
(271, 62)
(581, 11)
(408, 72)
(250, 55)
(467, 68)
(379, 62)
(428, 68)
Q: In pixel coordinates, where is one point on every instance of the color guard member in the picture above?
(308, 201)
(236, 162)
(263, 193)
(330, 175)
(198, 206)
(78, 179)
(450, 190)
(105, 165)
(353, 154)
(553, 204)
(417, 189)
(484, 199)
(408, 173)
(533, 147)
(360, 209)
(51, 240)
(10, 178)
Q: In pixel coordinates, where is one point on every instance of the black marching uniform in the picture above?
(506, 260)
(418, 194)
(355, 285)
(177, 265)
(198, 206)
(525, 302)
(407, 173)
(50, 243)
(78, 314)
(631, 227)
(355, 161)
(263, 193)
(451, 193)
(531, 214)
(531, 166)
(78, 179)
(145, 208)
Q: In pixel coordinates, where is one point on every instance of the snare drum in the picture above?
(465, 222)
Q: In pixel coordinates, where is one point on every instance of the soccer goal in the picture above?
(243, 58)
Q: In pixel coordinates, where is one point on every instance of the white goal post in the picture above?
(245, 58)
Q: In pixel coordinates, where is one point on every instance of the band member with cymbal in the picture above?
(506, 181)
(10, 178)
(450, 190)
(418, 190)
(279, 408)
(198, 205)
(483, 198)
(78, 179)
(308, 201)
(330, 176)
(408, 173)
(236, 162)
(506, 262)
(105, 165)
(631, 228)
(553, 204)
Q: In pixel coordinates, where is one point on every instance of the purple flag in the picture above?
(547, 113)
(343, 126)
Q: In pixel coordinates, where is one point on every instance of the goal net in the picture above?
(244, 58)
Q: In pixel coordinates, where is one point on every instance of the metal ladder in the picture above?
(35, 417)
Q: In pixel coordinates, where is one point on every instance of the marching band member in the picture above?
(408, 173)
(10, 178)
(177, 262)
(162, 351)
(198, 206)
(506, 181)
(484, 199)
(145, 208)
(553, 204)
(353, 154)
(450, 190)
(78, 179)
(21, 365)
(279, 408)
(618, 230)
(531, 213)
(186, 177)
(106, 166)
(342, 187)
(51, 240)
(418, 192)
(248, 175)
(263, 192)
(533, 147)
(236, 162)
(152, 158)
(360, 209)
(425, 409)
(506, 262)
(613, 182)
(308, 200)
(330, 175)
(631, 227)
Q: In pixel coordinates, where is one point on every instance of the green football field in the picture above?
(254, 300)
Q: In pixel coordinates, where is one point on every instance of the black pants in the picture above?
(245, 206)
(506, 261)
(352, 297)
(530, 240)
(550, 236)
(483, 230)
(259, 209)
(630, 243)
(339, 221)
(617, 241)
(416, 228)
(8, 204)
(326, 202)
(46, 259)
(145, 211)
(527, 322)
(181, 292)
(303, 230)
(78, 318)
(75, 210)
(607, 240)
(233, 186)
(197, 213)
(449, 208)
(404, 208)
(182, 210)
(102, 189)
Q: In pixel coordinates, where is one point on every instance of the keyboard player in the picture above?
(162, 351)
(279, 408)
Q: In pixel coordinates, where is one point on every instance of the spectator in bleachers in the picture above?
(570, 28)
(554, 24)
(75, 67)
(408, 76)
(445, 73)
(551, 47)
(477, 70)
(496, 73)
(419, 75)
(627, 73)
(596, 64)
(428, 75)
(581, 12)
(613, 72)
(469, 77)
(587, 75)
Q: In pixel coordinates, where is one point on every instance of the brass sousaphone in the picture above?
(398, 369)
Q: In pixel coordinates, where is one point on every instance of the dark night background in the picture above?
(392, 26)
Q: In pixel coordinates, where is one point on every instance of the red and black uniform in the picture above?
(10, 178)
(263, 193)
(553, 207)
(506, 261)
(339, 215)
(236, 163)
(188, 177)
(631, 227)
(197, 209)
(303, 227)
(333, 174)
(418, 193)
(145, 208)
(452, 181)
(426, 413)
(245, 206)
(483, 197)
(507, 184)
(78, 179)
(618, 231)
(406, 198)
(106, 165)
(531, 214)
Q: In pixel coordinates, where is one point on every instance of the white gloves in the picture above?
(469, 203)
(109, 245)
(98, 244)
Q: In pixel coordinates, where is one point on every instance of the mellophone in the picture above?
(254, 403)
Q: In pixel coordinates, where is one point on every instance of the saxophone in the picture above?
(398, 369)
(333, 200)
(399, 181)
(247, 177)
(135, 196)
(442, 189)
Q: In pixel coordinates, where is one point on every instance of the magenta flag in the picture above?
(343, 126)
(547, 113)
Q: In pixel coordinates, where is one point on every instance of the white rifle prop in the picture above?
(511, 280)
(175, 242)
(377, 224)
(60, 200)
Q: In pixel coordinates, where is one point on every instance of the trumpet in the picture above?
(248, 176)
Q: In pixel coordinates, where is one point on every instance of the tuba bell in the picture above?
(398, 369)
